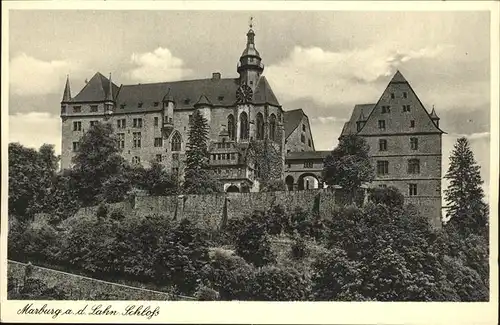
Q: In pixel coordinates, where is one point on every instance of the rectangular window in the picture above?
(406, 108)
(405, 94)
(382, 185)
(156, 121)
(137, 139)
(412, 123)
(382, 167)
(158, 157)
(136, 160)
(308, 164)
(302, 138)
(139, 105)
(309, 142)
(92, 123)
(382, 145)
(93, 108)
(158, 142)
(393, 96)
(76, 146)
(414, 143)
(121, 140)
(137, 123)
(412, 189)
(155, 104)
(77, 109)
(77, 126)
(381, 124)
(121, 124)
(413, 166)
(304, 127)
(386, 109)
(190, 119)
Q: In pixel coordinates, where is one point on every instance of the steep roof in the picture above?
(264, 94)
(398, 78)
(185, 93)
(96, 89)
(350, 126)
(292, 120)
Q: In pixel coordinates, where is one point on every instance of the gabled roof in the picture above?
(398, 78)
(264, 94)
(292, 120)
(359, 110)
(203, 100)
(95, 90)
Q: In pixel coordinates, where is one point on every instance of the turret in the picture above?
(434, 117)
(361, 121)
(109, 102)
(250, 66)
(67, 92)
(168, 113)
(204, 106)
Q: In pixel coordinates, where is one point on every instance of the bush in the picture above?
(272, 283)
(299, 248)
(102, 211)
(273, 185)
(253, 243)
(206, 294)
(388, 196)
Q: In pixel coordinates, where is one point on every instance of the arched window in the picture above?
(260, 127)
(243, 126)
(176, 142)
(231, 127)
(272, 127)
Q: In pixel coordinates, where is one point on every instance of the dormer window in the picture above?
(405, 94)
(122, 106)
(386, 109)
(186, 101)
(220, 98)
(139, 105)
(155, 104)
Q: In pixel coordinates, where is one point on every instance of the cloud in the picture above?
(156, 66)
(34, 129)
(328, 119)
(346, 77)
(31, 76)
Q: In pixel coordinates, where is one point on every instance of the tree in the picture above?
(30, 178)
(197, 178)
(349, 165)
(388, 196)
(464, 195)
(157, 181)
(98, 160)
(253, 243)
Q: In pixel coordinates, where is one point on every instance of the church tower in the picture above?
(250, 66)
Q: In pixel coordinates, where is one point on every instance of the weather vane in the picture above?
(250, 22)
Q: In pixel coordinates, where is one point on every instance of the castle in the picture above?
(152, 122)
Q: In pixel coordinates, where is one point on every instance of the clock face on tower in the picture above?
(244, 94)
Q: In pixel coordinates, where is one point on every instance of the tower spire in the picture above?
(67, 91)
(109, 95)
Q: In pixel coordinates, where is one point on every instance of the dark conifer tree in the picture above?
(197, 177)
(467, 211)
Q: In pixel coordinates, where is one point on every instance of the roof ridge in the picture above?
(176, 81)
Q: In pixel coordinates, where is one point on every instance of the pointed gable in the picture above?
(360, 112)
(401, 111)
(292, 119)
(96, 89)
(264, 94)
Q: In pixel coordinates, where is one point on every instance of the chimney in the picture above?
(216, 76)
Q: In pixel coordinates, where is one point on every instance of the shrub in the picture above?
(102, 211)
(388, 196)
(253, 243)
(299, 248)
(206, 294)
(272, 283)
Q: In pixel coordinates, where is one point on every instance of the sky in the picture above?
(324, 62)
